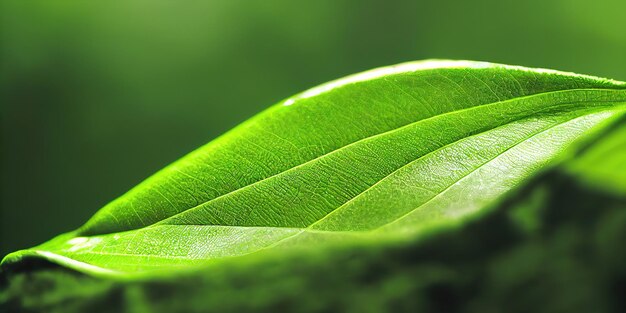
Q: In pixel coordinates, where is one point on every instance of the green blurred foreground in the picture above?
(552, 246)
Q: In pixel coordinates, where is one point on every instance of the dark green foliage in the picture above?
(569, 261)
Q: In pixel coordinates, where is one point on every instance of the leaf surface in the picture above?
(382, 154)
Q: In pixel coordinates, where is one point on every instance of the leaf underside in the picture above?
(387, 153)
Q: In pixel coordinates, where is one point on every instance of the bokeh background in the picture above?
(97, 95)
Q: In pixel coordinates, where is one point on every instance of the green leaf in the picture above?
(383, 155)
(602, 164)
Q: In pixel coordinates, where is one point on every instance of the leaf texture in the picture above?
(386, 153)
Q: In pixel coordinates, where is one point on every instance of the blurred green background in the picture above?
(96, 96)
